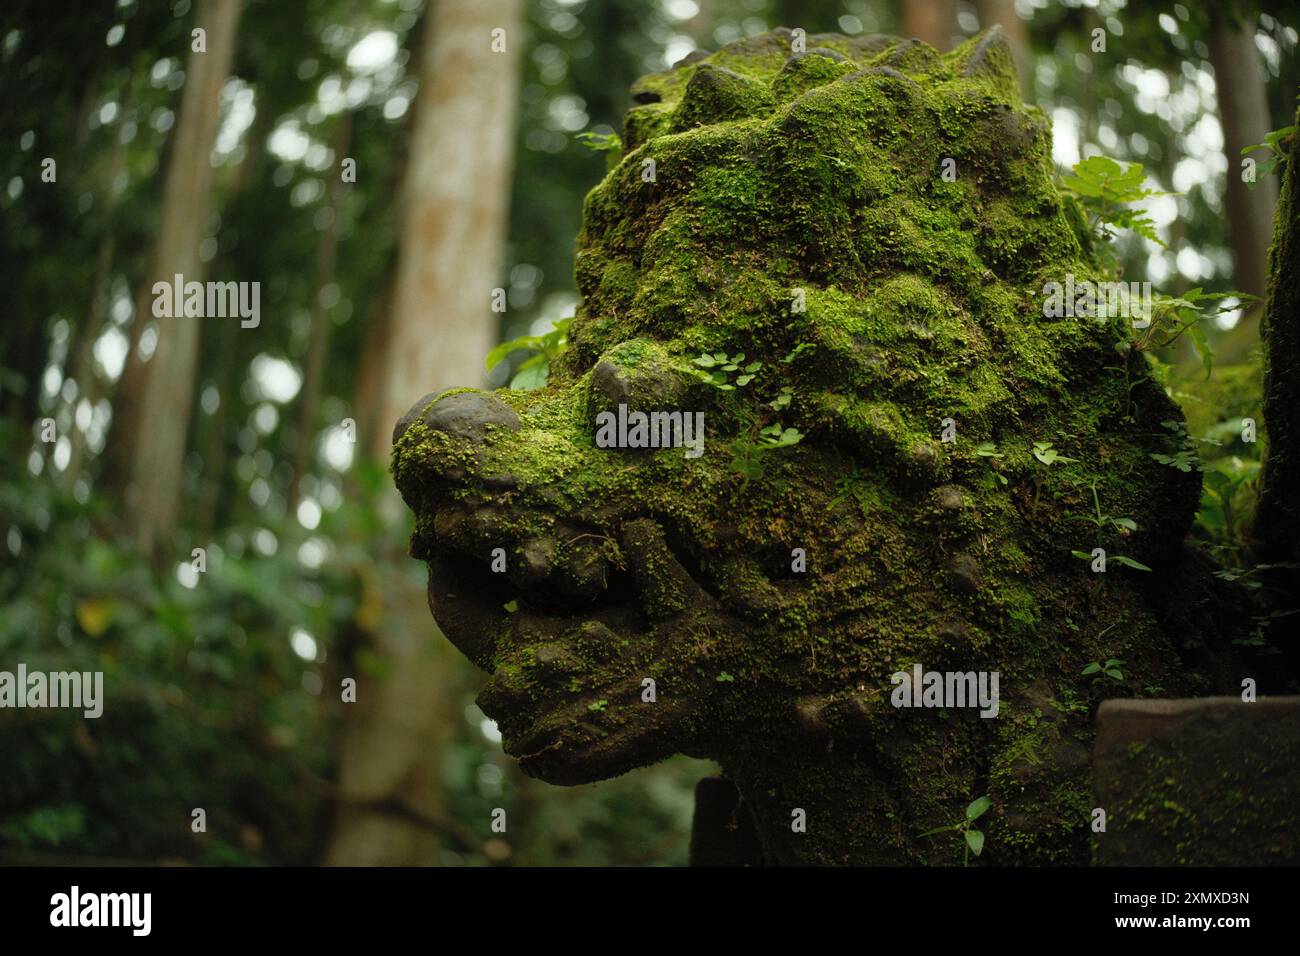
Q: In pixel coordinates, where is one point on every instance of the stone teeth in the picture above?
(665, 587)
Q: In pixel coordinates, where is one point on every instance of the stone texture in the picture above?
(1207, 781)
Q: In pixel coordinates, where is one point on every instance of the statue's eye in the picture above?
(645, 405)
(641, 375)
(642, 386)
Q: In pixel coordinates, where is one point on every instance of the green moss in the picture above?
(801, 202)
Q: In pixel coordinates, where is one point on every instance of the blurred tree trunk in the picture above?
(213, 504)
(700, 26)
(369, 387)
(83, 364)
(1003, 13)
(390, 787)
(439, 328)
(151, 422)
(318, 344)
(455, 199)
(1243, 113)
(930, 20)
(1277, 518)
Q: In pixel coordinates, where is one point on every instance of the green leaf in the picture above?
(1202, 346)
(1129, 562)
(600, 142)
(955, 826)
(975, 840)
(533, 374)
(978, 807)
(497, 354)
(1092, 668)
(1082, 555)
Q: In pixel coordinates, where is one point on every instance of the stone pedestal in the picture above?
(1210, 781)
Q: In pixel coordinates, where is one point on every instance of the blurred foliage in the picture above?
(213, 703)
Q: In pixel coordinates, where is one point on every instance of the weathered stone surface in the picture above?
(1203, 782)
(466, 415)
(797, 216)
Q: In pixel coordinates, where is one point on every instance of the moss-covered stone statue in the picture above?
(837, 256)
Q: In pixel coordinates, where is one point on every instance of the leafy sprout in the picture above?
(1104, 187)
(1047, 455)
(1109, 667)
(989, 450)
(717, 367)
(747, 456)
(1184, 456)
(972, 838)
(1120, 559)
(799, 350)
(1173, 316)
(608, 143)
(536, 370)
(1276, 158)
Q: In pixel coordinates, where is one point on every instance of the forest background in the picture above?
(201, 509)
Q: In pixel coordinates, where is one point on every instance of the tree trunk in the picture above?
(390, 756)
(318, 343)
(456, 196)
(1277, 519)
(440, 327)
(930, 20)
(1243, 113)
(151, 430)
(83, 365)
(367, 393)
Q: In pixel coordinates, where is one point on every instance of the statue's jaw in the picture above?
(571, 744)
(585, 683)
(604, 695)
(541, 694)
